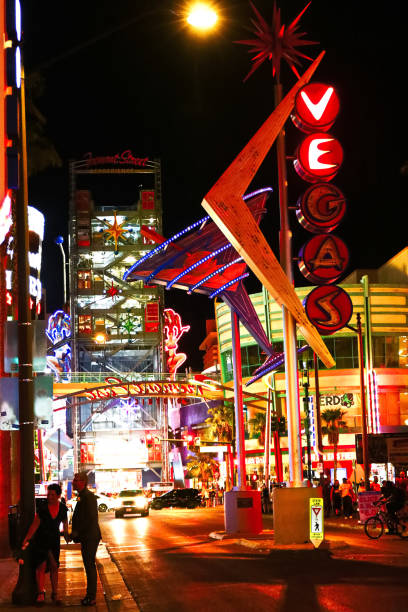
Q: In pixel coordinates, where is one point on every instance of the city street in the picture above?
(169, 563)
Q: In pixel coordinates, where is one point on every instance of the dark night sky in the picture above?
(128, 75)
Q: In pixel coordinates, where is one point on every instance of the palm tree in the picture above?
(258, 423)
(204, 467)
(333, 417)
(221, 423)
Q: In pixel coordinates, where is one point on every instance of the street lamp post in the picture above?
(59, 240)
(24, 589)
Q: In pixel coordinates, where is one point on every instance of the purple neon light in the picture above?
(164, 244)
(198, 263)
(272, 363)
(231, 282)
(257, 192)
(219, 271)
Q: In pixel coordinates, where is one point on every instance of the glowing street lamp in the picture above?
(202, 17)
(100, 338)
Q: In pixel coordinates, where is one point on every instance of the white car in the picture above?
(105, 503)
(131, 501)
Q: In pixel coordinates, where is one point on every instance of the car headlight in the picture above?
(140, 502)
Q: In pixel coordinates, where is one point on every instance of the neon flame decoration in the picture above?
(58, 330)
(173, 330)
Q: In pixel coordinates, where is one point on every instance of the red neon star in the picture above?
(112, 291)
(276, 42)
(115, 231)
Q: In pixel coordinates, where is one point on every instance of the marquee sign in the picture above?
(316, 107)
(115, 387)
(319, 157)
(323, 259)
(321, 208)
(329, 308)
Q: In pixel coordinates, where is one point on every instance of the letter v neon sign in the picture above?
(317, 109)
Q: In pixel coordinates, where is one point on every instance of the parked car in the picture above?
(131, 501)
(105, 504)
(177, 498)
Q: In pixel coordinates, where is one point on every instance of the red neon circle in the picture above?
(329, 308)
(323, 259)
(316, 107)
(321, 208)
(319, 157)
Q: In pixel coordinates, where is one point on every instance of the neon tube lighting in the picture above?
(257, 192)
(163, 245)
(231, 282)
(219, 271)
(198, 263)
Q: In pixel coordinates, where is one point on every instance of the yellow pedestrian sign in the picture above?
(316, 521)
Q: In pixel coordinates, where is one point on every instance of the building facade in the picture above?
(381, 297)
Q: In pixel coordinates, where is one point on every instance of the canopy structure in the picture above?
(200, 259)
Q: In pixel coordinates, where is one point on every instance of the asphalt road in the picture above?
(169, 563)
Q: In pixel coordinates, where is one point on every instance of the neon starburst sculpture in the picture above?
(115, 230)
(276, 42)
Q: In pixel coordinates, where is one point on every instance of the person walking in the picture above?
(43, 540)
(335, 496)
(85, 529)
(347, 495)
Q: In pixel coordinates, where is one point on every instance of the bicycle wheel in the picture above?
(402, 528)
(374, 527)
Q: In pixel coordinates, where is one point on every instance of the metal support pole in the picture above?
(22, 593)
(239, 406)
(278, 457)
(366, 458)
(64, 273)
(317, 403)
(309, 448)
(289, 326)
(267, 450)
(59, 454)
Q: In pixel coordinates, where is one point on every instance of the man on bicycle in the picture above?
(395, 499)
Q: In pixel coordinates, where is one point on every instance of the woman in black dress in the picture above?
(43, 537)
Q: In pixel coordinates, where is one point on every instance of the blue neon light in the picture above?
(163, 245)
(219, 271)
(231, 282)
(198, 263)
(257, 192)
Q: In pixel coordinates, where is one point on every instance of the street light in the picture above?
(59, 240)
(202, 17)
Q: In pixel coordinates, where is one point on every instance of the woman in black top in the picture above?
(44, 539)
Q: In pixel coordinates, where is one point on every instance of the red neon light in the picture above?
(125, 158)
(9, 298)
(173, 330)
(316, 107)
(323, 259)
(329, 308)
(319, 158)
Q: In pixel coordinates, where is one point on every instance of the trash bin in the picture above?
(14, 527)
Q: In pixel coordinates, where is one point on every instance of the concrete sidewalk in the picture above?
(112, 593)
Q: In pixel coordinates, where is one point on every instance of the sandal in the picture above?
(55, 600)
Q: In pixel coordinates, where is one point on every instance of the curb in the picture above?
(117, 595)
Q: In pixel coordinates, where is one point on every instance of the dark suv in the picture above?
(177, 498)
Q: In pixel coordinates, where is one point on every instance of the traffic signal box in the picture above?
(149, 441)
(278, 424)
